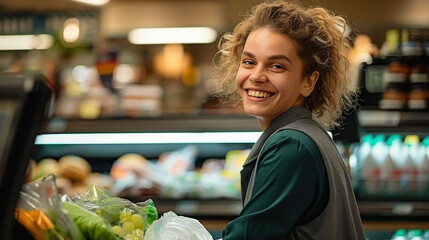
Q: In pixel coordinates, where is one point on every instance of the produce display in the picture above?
(173, 175)
(73, 174)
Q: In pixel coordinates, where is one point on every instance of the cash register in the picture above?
(24, 106)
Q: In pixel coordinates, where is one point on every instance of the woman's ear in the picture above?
(309, 84)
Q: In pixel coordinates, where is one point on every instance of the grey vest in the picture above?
(340, 220)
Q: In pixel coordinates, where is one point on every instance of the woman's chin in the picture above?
(253, 112)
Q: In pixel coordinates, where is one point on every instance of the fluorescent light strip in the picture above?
(26, 42)
(147, 138)
(181, 35)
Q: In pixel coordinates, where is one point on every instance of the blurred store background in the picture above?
(99, 66)
(136, 115)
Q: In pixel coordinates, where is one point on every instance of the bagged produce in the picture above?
(37, 223)
(39, 211)
(120, 218)
(173, 227)
(90, 224)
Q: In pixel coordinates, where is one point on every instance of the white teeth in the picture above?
(258, 94)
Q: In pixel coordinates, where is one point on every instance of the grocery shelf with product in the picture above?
(389, 165)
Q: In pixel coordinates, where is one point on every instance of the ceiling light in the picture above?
(71, 31)
(26, 42)
(93, 2)
(181, 35)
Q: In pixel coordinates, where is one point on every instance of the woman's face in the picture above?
(270, 77)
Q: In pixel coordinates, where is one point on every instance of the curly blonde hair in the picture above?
(320, 41)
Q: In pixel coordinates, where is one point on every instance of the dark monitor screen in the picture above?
(24, 101)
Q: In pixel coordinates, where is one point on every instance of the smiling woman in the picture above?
(318, 41)
(270, 77)
(288, 67)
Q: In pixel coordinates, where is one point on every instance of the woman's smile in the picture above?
(259, 93)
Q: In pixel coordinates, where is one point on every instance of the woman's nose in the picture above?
(258, 75)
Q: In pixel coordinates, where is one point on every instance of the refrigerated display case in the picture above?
(103, 142)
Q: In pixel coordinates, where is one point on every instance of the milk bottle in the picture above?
(421, 158)
(408, 166)
(369, 170)
(390, 173)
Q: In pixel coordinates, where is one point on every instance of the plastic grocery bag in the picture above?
(173, 227)
(39, 211)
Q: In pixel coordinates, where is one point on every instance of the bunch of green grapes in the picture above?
(130, 225)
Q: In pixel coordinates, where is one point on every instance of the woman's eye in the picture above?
(278, 66)
(247, 62)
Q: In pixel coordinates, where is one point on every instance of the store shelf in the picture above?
(193, 123)
(394, 210)
(391, 201)
(374, 120)
(102, 153)
(201, 208)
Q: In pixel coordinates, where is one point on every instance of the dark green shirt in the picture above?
(291, 188)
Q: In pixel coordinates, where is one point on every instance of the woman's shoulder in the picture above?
(293, 143)
(291, 135)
